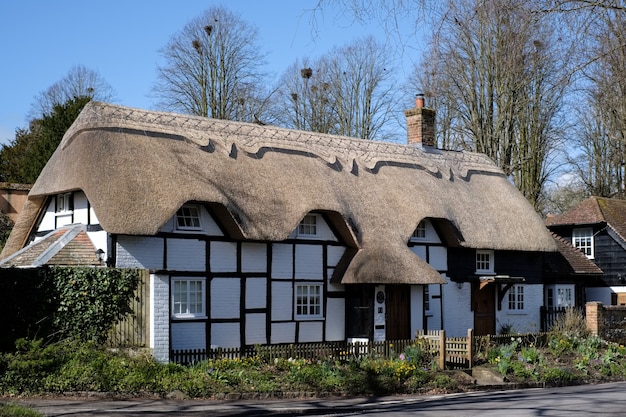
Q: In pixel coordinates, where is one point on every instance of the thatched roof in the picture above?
(138, 167)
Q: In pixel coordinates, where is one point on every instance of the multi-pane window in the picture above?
(516, 297)
(420, 231)
(583, 240)
(308, 301)
(564, 297)
(308, 226)
(188, 218)
(484, 261)
(188, 297)
(64, 203)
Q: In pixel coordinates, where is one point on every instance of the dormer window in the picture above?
(484, 262)
(420, 231)
(308, 226)
(188, 218)
(64, 203)
(583, 240)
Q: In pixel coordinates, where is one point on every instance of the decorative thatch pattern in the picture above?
(138, 167)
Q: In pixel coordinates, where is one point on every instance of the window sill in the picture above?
(183, 318)
(309, 318)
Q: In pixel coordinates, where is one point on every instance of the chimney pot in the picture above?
(419, 101)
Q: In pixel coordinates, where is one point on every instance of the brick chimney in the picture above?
(420, 124)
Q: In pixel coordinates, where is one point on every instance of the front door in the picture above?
(359, 311)
(398, 305)
(484, 309)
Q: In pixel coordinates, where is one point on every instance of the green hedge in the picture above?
(54, 303)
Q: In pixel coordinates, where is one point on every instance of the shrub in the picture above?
(570, 324)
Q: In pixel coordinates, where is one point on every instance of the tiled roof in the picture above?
(67, 246)
(595, 210)
(578, 261)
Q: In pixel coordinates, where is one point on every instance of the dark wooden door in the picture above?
(359, 311)
(484, 310)
(398, 319)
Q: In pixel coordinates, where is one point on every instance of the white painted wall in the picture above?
(225, 335)
(139, 252)
(527, 320)
(254, 257)
(225, 298)
(309, 261)
(188, 335)
(282, 301)
(256, 292)
(255, 329)
(223, 257)
(310, 331)
(284, 332)
(457, 313)
(81, 208)
(282, 260)
(186, 255)
(160, 317)
(433, 314)
(335, 319)
(417, 308)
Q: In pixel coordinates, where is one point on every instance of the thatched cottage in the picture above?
(256, 234)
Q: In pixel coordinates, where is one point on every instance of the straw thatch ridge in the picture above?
(138, 167)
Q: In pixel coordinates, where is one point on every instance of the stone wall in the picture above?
(607, 322)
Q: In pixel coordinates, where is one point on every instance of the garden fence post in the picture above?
(470, 347)
(442, 349)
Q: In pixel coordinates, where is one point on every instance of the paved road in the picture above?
(602, 400)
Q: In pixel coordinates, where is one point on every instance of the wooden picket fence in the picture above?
(452, 353)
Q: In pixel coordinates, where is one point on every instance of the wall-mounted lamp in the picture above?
(100, 256)
(459, 285)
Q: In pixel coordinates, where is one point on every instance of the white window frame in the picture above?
(419, 234)
(516, 298)
(582, 238)
(309, 226)
(63, 203)
(305, 301)
(185, 213)
(182, 306)
(560, 295)
(484, 261)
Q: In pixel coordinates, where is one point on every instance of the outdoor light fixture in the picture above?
(459, 285)
(100, 256)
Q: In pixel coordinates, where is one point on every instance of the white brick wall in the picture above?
(225, 335)
(284, 332)
(139, 252)
(255, 329)
(256, 292)
(310, 331)
(160, 319)
(282, 301)
(457, 314)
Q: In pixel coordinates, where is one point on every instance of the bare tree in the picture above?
(498, 79)
(347, 92)
(212, 69)
(601, 139)
(79, 82)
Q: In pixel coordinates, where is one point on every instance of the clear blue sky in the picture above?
(41, 40)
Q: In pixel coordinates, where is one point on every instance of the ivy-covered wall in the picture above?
(54, 303)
